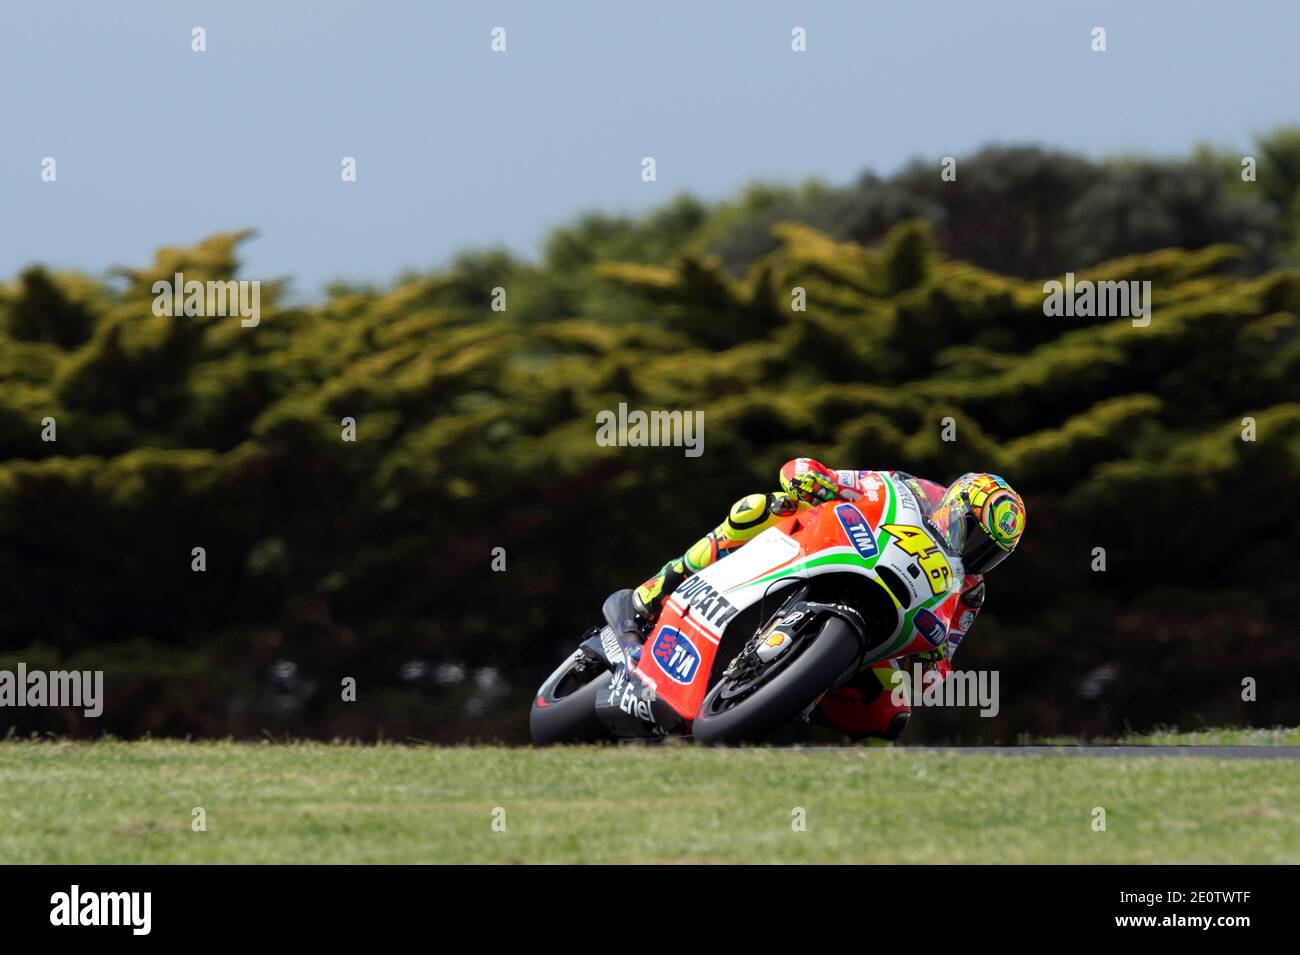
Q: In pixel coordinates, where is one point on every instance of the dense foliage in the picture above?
(475, 430)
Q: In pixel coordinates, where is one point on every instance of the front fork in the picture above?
(796, 620)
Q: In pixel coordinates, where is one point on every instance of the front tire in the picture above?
(788, 693)
(564, 709)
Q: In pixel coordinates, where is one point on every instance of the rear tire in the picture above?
(789, 693)
(563, 713)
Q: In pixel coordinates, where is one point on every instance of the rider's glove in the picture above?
(810, 481)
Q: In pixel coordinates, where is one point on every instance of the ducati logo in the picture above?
(707, 602)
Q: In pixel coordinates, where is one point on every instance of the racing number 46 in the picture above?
(928, 556)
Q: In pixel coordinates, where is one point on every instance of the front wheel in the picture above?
(749, 709)
(564, 709)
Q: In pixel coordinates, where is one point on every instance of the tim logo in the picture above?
(676, 655)
(855, 525)
(930, 627)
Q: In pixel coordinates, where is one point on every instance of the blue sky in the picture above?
(460, 147)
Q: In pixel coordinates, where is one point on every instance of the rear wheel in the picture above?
(746, 707)
(564, 709)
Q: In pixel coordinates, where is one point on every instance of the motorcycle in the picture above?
(754, 641)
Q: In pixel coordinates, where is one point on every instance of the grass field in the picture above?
(1275, 736)
(313, 802)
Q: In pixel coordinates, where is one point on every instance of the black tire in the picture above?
(789, 692)
(563, 713)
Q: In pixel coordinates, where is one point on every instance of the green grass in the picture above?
(1276, 736)
(313, 802)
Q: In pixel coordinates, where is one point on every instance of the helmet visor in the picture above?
(981, 553)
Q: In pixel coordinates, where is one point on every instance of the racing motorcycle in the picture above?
(753, 641)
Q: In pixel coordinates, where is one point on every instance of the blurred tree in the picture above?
(475, 430)
(1033, 212)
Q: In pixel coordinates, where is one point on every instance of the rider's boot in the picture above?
(648, 599)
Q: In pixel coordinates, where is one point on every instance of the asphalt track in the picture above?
(1120, 752)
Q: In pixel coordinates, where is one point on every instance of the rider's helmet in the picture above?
(986, 516)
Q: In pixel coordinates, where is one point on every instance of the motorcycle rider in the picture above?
(993, 516)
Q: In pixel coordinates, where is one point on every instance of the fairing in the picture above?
(886, 530)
